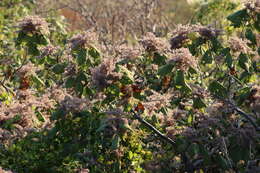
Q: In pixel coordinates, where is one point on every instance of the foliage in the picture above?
(66, 106)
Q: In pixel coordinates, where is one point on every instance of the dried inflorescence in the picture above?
(23, 109)
(151, 43)
(104, 74)
(199, 92)
(253, 5)
(180, 35)
(27, 70)
(83, 40)
(48, 50)
(70, 70)
(116, 125)
(254, 99)
(74, 104)
(183, 59)
(208, 32)
(238, 45)
(33, 24)
(156, 101)
(173, 132)
(128, 52)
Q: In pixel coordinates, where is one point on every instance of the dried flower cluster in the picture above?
(116, 125)
(254, 99)
(48, 50)
(253, 5)
(74, 104)
(84, 40)
(199, 91)
(33, 24)
(183, 59)
(186, 131)
(238, 45)
(156, 101)
(180, 35)
(70, 70)
(128, 52)
(151, 43)
(25, 105)
(104, 74)
(27, 69)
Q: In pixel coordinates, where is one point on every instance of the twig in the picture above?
(151, 127)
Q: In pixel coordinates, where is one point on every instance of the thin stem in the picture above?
(151, 127)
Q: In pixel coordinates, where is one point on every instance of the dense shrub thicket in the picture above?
(190, 103)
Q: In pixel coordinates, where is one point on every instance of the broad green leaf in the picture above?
(165, 69)
(244, 62)
(238, 18)
(159, 59)
(115, 142)
(59, 68)
(198, 103)
(93, 52)
(222, 162)
(250, 36)
(218, 89)
(180, 82)
(37, 80)
(81, 56)
(79, 88)
(70, 82)
(228, 58)
(207, 57)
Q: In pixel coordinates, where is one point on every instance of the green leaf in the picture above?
(180, 82)
(194, 149)
(165, 69)
(128, 74)
(79, 88)
(238, 153)
(81, 56)
(228, 58)
(81, 77)
(222, 162)
(207, 57)
(115, 142)
(250, 36)
(39, 116)
(70, 82)
(32, 49)
(159, 59)
(93, 52)
(218, 89)
(198, 103)
(243, 94)
(243, 62)
(38, 81)
(238, 18)
(59, 68)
